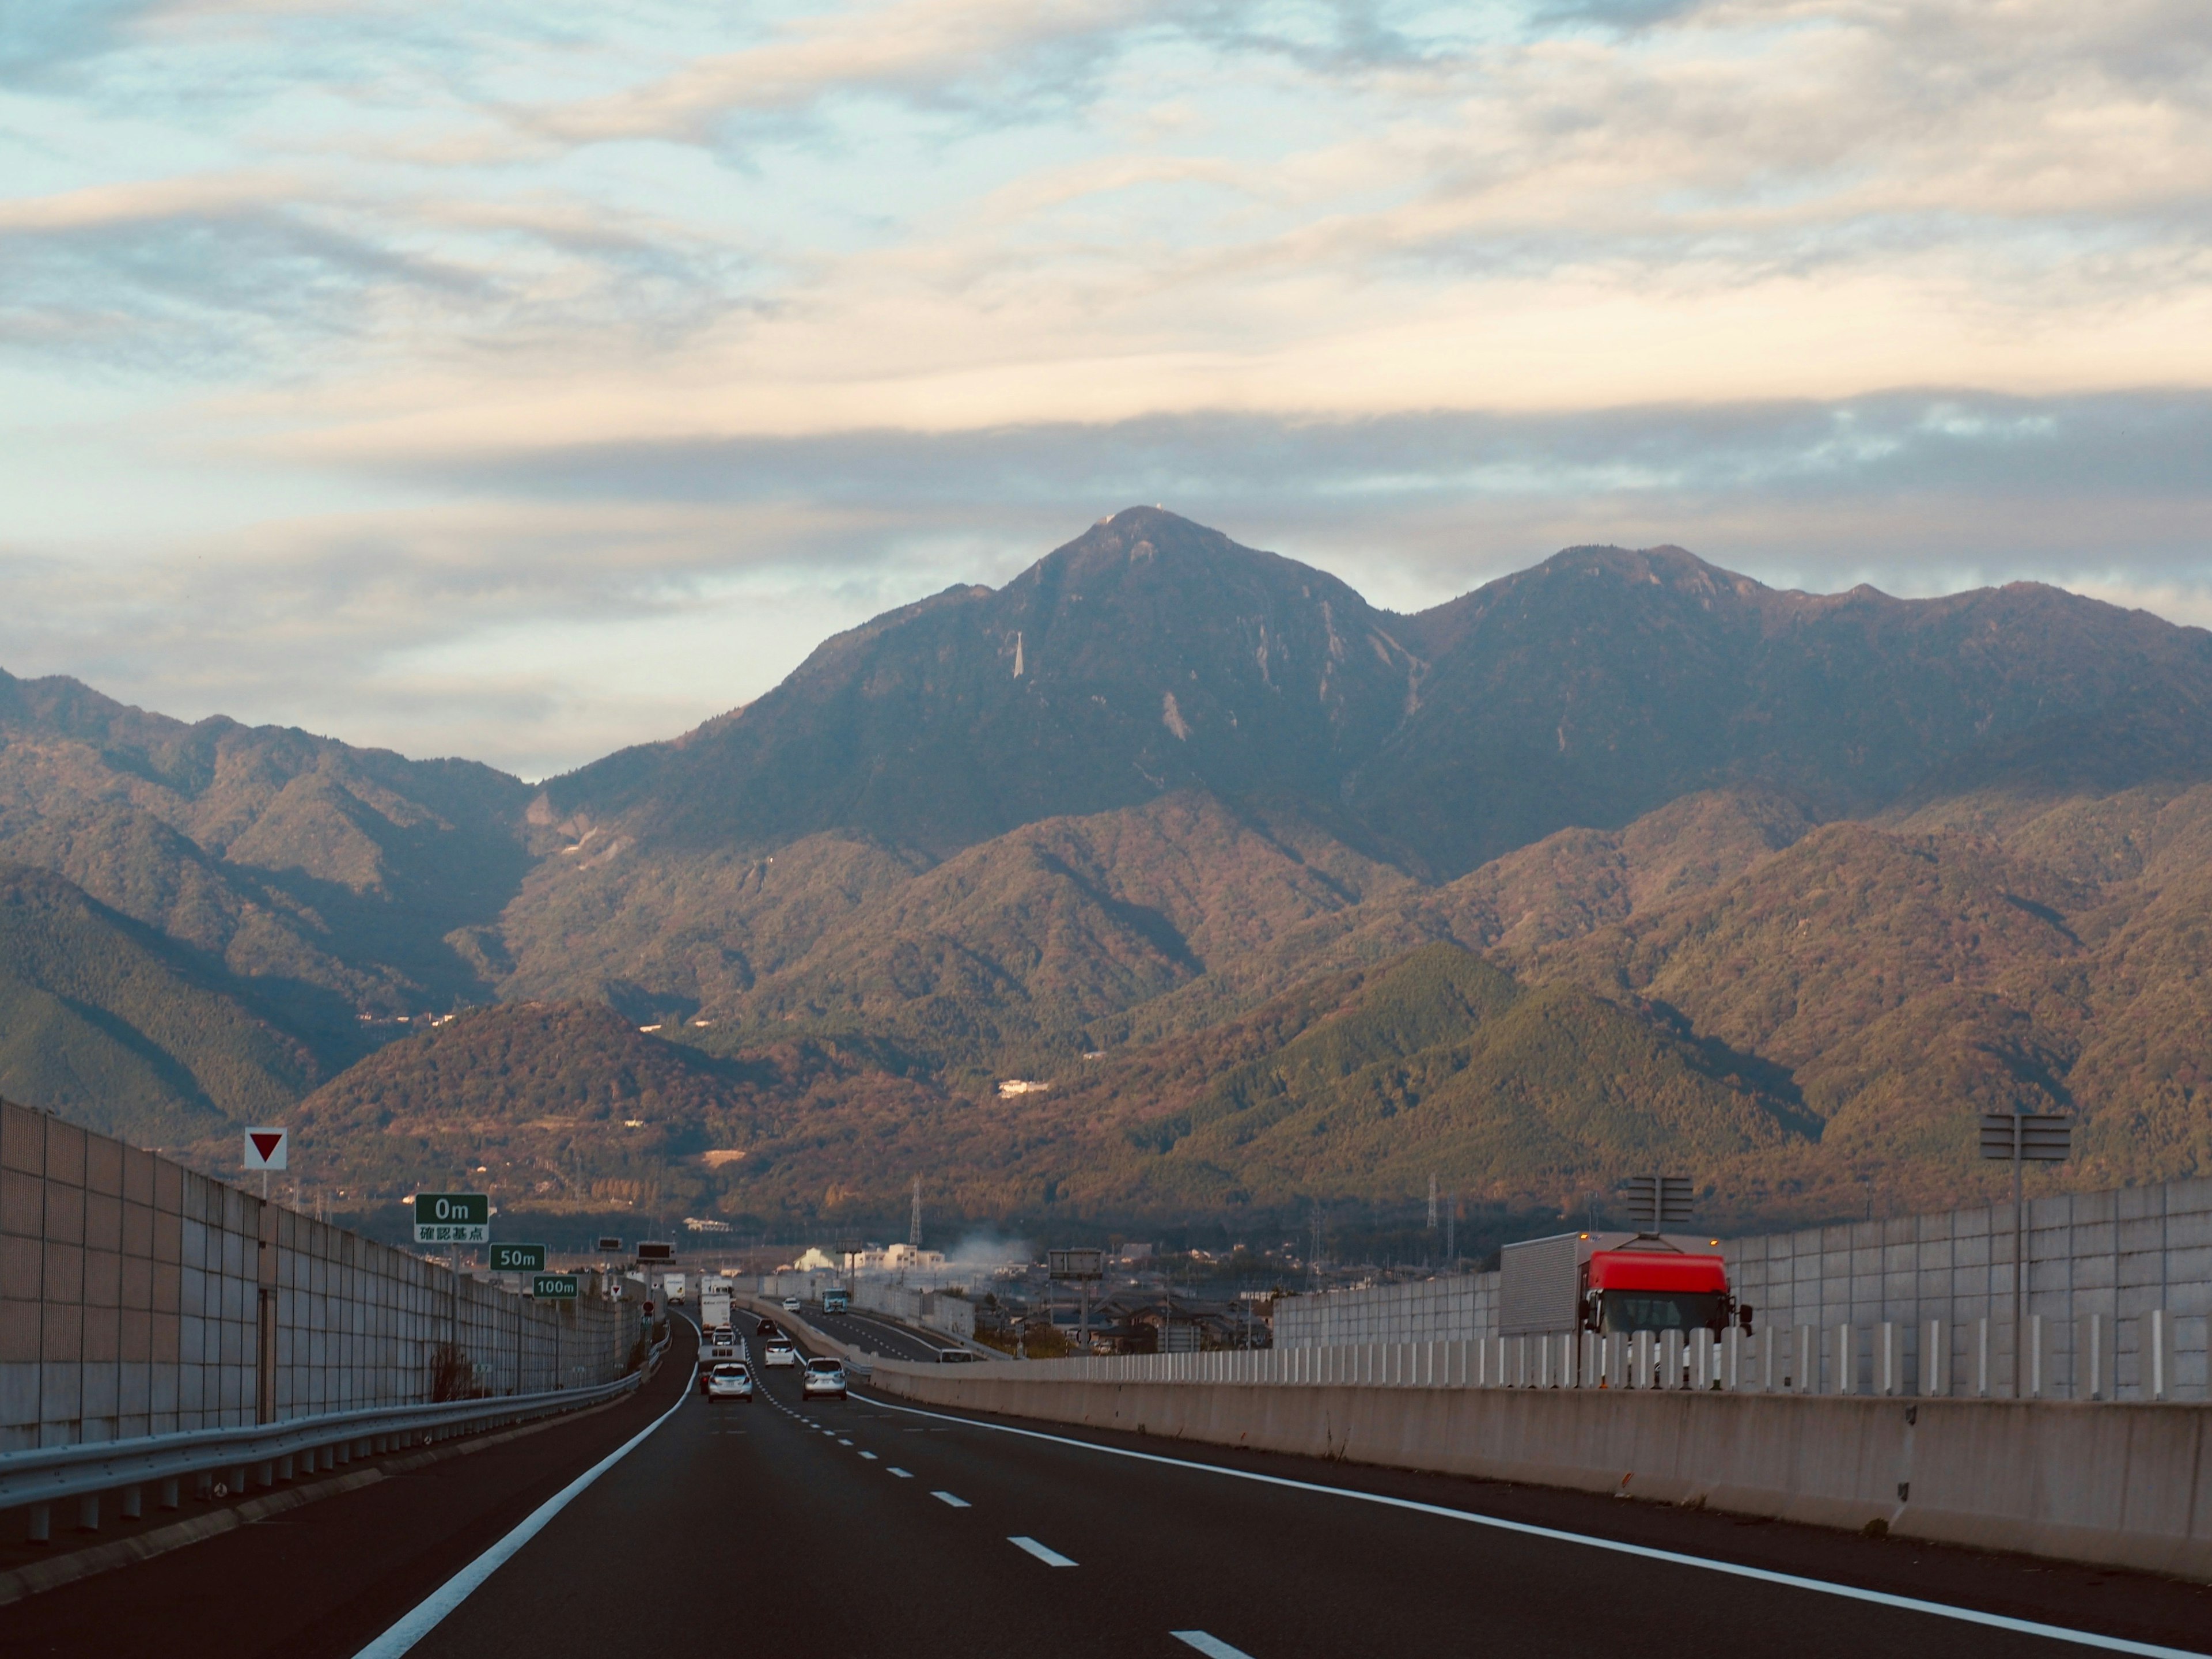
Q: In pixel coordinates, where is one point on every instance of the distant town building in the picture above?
(896, 1258)
(1021, 1086)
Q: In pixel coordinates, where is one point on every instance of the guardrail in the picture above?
(264, 1453)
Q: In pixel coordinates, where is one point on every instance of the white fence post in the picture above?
(2092, 1358)
(2155, 1361)
(1888, 1359)
(1843, 1374)
(1936, 1358)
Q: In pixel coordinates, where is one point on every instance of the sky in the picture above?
(521, 380)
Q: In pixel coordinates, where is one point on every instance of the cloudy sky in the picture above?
(521, 380)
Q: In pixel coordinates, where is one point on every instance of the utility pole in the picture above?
(2017, 1137)
(1314, 1262)
(913, 1224)
(1432, 1201)
(1451, 1229)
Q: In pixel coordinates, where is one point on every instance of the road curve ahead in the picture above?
(864, 1528)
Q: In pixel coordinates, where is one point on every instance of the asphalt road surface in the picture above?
(882, 1336)
(858, 1529)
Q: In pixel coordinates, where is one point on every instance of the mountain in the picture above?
(1149, 655)
(337, 881)
(1604, 683)
(1348, 1087)
(105, 1020)
(1157, 656)
(1281, 898)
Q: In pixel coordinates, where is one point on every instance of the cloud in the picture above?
(541, 610)
(914, 47)
(528, 379)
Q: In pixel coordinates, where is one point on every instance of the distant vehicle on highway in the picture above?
(715, 1301)
(791, 1304)
(824, 1379)
(954, 1357)
(837, 1302)
(768, 1327)
(721, 1345)
(730, 1382)
(780, 1352)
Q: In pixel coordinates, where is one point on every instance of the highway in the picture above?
(882, 1336)
(860, 1528)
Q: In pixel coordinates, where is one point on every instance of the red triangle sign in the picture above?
(266, 1144)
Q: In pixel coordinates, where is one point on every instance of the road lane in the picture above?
(320, 1581)
(736, 1526)
(878, 1336)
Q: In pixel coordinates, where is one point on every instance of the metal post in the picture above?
(2019, 1271)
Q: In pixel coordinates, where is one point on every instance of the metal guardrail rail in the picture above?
(264, 1453)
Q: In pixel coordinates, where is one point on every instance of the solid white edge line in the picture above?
(1673, 1558)
(1212, 1646)
(1050, 1556)
(427, 1613)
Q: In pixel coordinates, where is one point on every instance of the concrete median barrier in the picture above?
(2124, 1484)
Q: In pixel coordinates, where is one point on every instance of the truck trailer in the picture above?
(1608, 1282)
(715, 1302)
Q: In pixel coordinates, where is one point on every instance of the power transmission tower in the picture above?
(913, 1224)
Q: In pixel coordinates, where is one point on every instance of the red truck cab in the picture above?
(1656, 1290)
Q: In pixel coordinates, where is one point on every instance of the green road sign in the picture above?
(554, 1287)
(452, 1218)
(517, 1258)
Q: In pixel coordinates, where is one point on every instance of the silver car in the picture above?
(824, 1379)
(730, 1382)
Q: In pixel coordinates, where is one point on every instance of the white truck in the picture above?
(671, 1286)
(715, 1302)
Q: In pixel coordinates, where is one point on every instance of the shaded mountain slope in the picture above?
(331, 873)
(1155, 655)
(1151, 654)
(104, 1021)
(1603, 683)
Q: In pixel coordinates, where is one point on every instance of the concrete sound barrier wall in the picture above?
(2138, 1258)
(138, 1296)
(2124, 1484)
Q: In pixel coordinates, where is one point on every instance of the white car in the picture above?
(791, 1304)
(730, 1381)
(824, 1379)
(779, 1351)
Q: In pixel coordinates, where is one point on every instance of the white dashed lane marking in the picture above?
(947, 1497)
(1212, 1646)
(1051, 1558)
(871, 1456)
(902, 1474)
